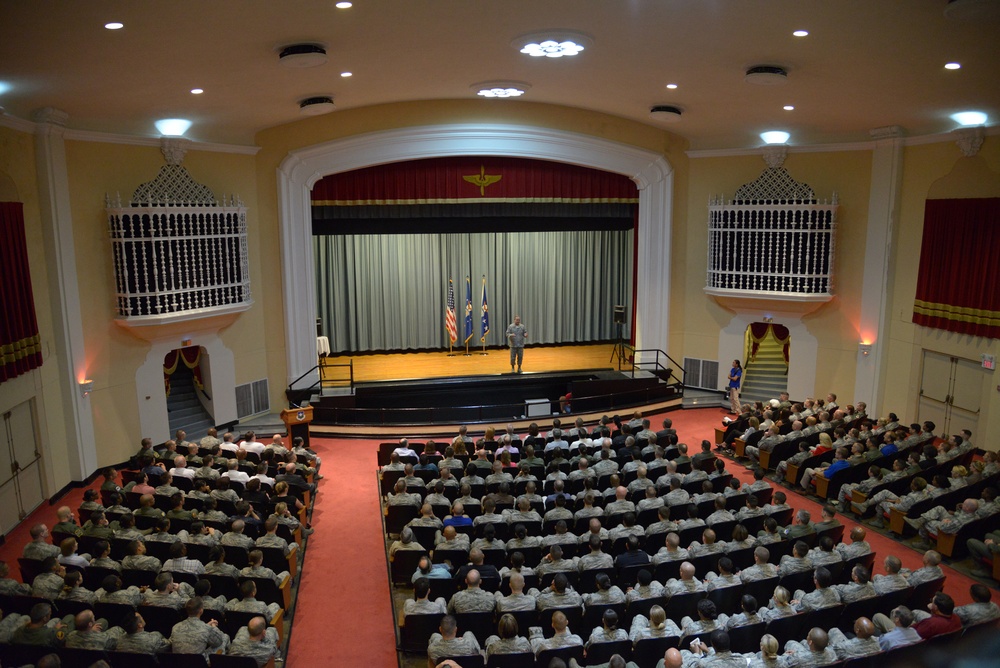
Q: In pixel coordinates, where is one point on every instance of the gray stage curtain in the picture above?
(388, 292)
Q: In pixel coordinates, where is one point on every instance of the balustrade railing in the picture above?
(178, 253)
(773, 240)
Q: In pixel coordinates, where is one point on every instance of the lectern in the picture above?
(297, 422)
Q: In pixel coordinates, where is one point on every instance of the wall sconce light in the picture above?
(86, 387)
(865, 348)
(185, 342)
(768, 319)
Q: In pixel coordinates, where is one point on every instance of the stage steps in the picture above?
(184, 410)
(767, 376)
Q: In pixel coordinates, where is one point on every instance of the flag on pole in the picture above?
(450, 324)
(486, 315)
(469, 330)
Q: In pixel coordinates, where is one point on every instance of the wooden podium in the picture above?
(297, 422)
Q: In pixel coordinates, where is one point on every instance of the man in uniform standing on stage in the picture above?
(516, 334)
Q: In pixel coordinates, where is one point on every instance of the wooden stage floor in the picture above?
(416, 366)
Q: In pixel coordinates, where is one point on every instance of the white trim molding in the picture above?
(303, 167)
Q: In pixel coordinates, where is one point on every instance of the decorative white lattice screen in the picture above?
(772, 240)
(178, 253)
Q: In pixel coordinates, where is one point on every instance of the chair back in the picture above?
(115, 613)
(510, 660)
(417, 630)
(924, 592)
(648, 651)
(160, 618)
(601, 652)
(565, 653)
(746, 639)
(404, 563)
(479, 623)
(787, 628)
(232, 661)
(574, 619)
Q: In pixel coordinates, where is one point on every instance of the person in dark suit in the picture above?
(294, 480)
(667, 431)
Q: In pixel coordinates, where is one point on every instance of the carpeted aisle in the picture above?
(343, 615)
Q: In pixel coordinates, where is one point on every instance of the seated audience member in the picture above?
(193, 636)
(981, 610)
(447, 643)
(256, 640)
(562, 637)
(507, 641)
(814, 651)
(896, 630)
(942, 617)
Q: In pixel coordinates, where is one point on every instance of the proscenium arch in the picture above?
(650, 171)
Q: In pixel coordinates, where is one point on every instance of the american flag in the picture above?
(449, 314)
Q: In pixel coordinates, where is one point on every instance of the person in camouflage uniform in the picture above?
(49, 583)
(563, 637)
(256, 640)
(137, 559)
(10, 587)
(102, 557)
(39, 548)
(236, 538)
(111, 591)
(138, 640)
(272, 539)
(41, 629)
(249, 602)
(90, 634)
(193, 636)
(167, 593)
(218, 565)
(255, 569)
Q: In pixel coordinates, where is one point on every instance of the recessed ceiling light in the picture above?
(969, 118)
(344, 5)
(953, 66)
(114, 25)
(172, 127)
(552, 44)
(197, 91)
(774, 137)
(4, 87)
(671, 86)
(314, 106)
(789, 107)
(801, 33)
(347, 74)
(500, 89)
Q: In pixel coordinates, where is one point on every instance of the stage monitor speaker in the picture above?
(619, 315)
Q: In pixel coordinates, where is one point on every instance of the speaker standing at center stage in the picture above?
(516, 334)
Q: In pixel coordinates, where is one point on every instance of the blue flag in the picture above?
(486, 315)
(469, 331)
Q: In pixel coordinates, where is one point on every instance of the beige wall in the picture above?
(926, 171)
(113, 353)
(276, 143)
(698, 318)
(42, 385)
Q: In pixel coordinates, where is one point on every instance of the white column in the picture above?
(653, 289)
(57, 223)
(883, 203)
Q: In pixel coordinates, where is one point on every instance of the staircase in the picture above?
(767, 375)
(183, 408)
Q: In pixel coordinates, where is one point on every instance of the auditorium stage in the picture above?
(394, 393)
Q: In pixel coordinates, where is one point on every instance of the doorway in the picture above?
(21, 486)
(766, 356)
(951, 391)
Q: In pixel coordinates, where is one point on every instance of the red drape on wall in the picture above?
(443, 180)
(191, 357)
(958, 285)
(20, 347)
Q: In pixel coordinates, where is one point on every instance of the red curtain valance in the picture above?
(467, 179)
(20, 345)
(760, 331)
(958, 284)
(191, 357)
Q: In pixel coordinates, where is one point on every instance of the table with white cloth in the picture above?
(322, 346)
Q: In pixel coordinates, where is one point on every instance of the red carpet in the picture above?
(343, 616)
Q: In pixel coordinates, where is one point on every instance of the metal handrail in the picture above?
(656, 362)
(319, 383)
